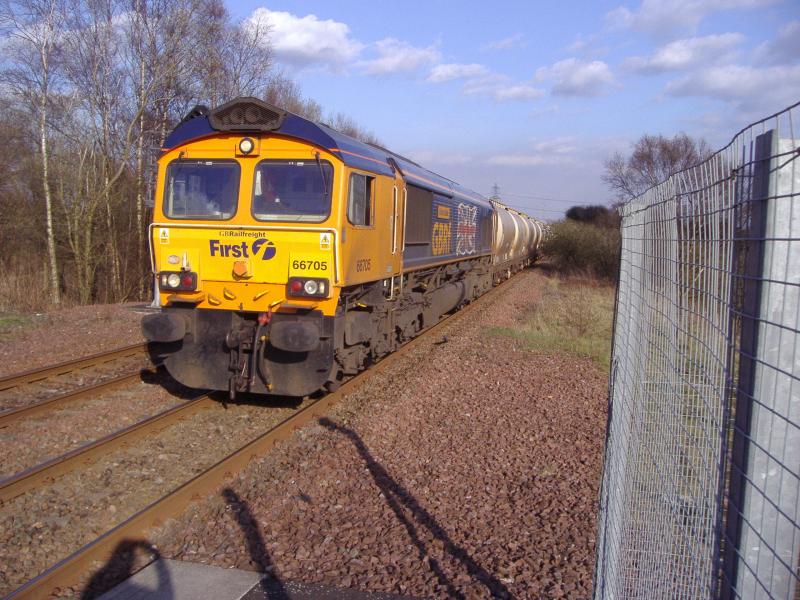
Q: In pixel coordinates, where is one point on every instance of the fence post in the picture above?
(749, 233)
(760, 557)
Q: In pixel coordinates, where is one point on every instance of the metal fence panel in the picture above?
(702, 468)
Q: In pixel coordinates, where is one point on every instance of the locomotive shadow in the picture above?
(398, 498)
(161, 377)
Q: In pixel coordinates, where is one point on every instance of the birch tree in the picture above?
(33, 30)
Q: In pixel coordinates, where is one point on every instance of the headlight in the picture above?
(173, 280)
(246, 146)
(311, 287)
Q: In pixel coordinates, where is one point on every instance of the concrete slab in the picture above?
(271, 589)
(178, 580)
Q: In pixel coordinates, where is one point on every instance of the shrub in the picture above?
(596, 214)
(575, 247)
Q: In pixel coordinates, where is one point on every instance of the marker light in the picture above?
(246, 146)
(180, 281)
(315, 288)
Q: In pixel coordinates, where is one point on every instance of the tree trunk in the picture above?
(139, 185)
(55, 291)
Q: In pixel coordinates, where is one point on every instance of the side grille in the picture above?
(246, 114)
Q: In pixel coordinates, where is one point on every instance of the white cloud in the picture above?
(517, 92)
(514, 41)
(784, 49)
(560, 145)
(557, 151)
(397, 56)
(500, 88)
(589, 46)
(305, 41)
(670, 17)
(486, 84)
(521, 160)
(451, 71)
(432, 157)
(743, 86)
(575, 77)
(544, 111)
(687, 53)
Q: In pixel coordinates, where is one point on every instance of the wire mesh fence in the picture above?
(702, 470)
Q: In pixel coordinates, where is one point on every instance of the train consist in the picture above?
(287, 256)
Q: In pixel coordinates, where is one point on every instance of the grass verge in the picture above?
(572, 315)
(9, 322)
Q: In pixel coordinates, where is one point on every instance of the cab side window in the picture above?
(359, 200)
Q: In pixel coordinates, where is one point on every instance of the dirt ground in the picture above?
(37, 340)
(468, 469)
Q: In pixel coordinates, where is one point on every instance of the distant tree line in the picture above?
(587, 241)
(89, 90)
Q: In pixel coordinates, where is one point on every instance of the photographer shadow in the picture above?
(398, 498)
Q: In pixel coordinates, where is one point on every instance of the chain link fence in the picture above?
(702, 469)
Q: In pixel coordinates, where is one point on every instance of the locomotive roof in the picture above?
(201, 122)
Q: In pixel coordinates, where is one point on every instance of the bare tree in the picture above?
(285, 93)
(654, 159)
(156, 55)
(230, 59)
(34, 28)
(348, 126)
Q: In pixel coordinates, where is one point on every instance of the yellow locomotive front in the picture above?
(244, 248)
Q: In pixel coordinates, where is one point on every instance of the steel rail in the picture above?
(15, 414)
(68, 571)
(17, 379)
(93, 451)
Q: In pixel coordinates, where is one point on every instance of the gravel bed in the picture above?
(40, 527)
(36, 391)
(468, 469)
(27, 443)
(57, 336)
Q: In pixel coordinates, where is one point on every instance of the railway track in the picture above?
(33, 375)
(17, 414)
(93, 451)
(68, 571)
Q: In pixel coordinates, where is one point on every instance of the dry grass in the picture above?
(23, 288)
(572, 315)
(9, 322)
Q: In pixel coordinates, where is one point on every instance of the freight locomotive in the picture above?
(287, 256)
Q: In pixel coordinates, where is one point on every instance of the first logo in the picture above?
(242, 250)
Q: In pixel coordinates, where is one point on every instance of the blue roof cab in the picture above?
(200, 122)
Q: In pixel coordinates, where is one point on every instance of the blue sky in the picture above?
(534, 96)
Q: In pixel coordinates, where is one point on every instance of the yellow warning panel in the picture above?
(310, 265)
(267, 256)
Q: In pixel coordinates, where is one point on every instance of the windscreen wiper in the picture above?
(322, 174)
